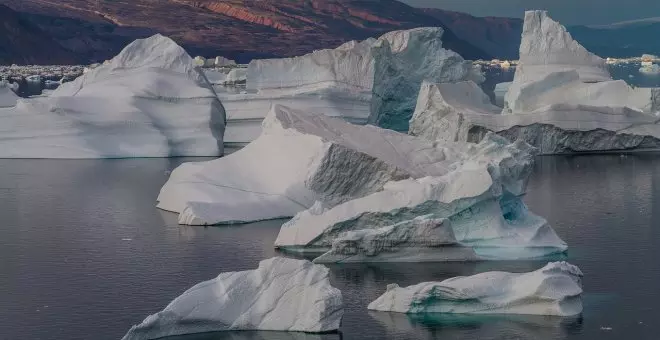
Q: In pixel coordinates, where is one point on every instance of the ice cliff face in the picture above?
(148, 101)
(281, 295)
(470, 212)
(555, 289)
(561, 100)
(416, 55)
(555, 128)
(300, 158)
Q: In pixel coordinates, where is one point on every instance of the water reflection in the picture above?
(249, 335)
(504, 327)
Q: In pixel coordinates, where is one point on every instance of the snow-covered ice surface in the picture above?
(148, 101)
(299, 158)
(555, 290)
(376, 81)
(281, 295)
(8, 97)
(562, 100)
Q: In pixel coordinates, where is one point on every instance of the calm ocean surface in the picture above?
(85, 254)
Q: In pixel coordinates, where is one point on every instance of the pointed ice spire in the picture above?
(547, 47)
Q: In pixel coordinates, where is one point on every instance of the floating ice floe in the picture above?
(555, 289)
(561, 100)
(375, 80)
(8, 97)
(281, 295)
(148, 101)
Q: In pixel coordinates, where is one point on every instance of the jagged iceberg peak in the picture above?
(546, 46)
(555, 289)
(280, 295)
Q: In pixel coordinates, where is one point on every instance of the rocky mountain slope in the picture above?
(22, 42)
(241, 29)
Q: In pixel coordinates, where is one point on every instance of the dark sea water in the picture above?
(85, 254)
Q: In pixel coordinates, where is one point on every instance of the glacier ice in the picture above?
(562, 100)
(280, 295)
(374, 81)
(298, 159)
(8, 97)
(148, 101)
(220, 61)
(471, 211)
(555, 289)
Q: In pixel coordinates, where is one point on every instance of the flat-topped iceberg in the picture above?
(472, 211)
(281, 295)
(562, 100)
(148, 101)
(300, 158)
(374, 81)
(555, 290)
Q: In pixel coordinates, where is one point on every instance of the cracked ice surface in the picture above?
(148, 101)
(281, 295)
(555, 289)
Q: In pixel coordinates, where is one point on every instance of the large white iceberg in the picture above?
(555, 290)
(281, 295)
(375, 81)
(8, 97)
(563, 102)
(148, 101)
(300, 158)
(472, 211)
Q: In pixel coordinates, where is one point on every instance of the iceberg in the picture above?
(373, 81)
(650, 69)
(148, 101)
(472, 211)
(416, 55)
(221, 61)
(547, 47)
(500, 91)
(562, 100)
(8, 97)
(298, 159)
(280, 295)
(555, 290)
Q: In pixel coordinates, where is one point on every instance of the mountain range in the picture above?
(74, 31)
